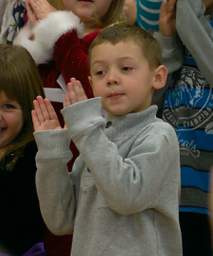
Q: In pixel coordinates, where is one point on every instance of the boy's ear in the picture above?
(160, 77)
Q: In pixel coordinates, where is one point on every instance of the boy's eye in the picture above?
(127, 68)
(99, 73)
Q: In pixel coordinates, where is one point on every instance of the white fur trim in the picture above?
(46, 33)
(55, 25)
(34, 47)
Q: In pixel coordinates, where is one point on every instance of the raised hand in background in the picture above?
(168, 17)
(38, 10)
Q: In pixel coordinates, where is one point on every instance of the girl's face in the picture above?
(87, 10)
(11, 120)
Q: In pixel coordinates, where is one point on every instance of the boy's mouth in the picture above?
(115, 95)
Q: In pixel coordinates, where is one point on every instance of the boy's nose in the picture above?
(112, 82)
(112, 78)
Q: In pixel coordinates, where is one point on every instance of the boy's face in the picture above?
(122, 77)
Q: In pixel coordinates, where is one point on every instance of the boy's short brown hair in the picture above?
(124, 32)
(113, 14)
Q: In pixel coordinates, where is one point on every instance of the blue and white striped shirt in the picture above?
(148, 12)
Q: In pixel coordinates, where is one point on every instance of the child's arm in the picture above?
(196, 34)
(128, 185)
(52, 179)
(171, 49)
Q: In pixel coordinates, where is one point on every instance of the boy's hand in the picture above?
(40, 8)
(167, 17)
(44, 116)
(75, 92)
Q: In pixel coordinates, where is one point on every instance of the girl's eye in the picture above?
(8, 106)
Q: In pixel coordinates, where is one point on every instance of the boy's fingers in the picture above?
(35, 120)
(43, 108)
(79, 91)
(75, 92)
(71, 92)
(51, 111)
(38, 109)
(67, 101)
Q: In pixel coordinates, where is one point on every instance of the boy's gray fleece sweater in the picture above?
(121, 198)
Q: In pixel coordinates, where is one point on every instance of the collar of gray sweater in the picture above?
(118, 126)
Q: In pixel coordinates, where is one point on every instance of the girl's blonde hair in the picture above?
(113, 14)
(57, 4)
(20, 81)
